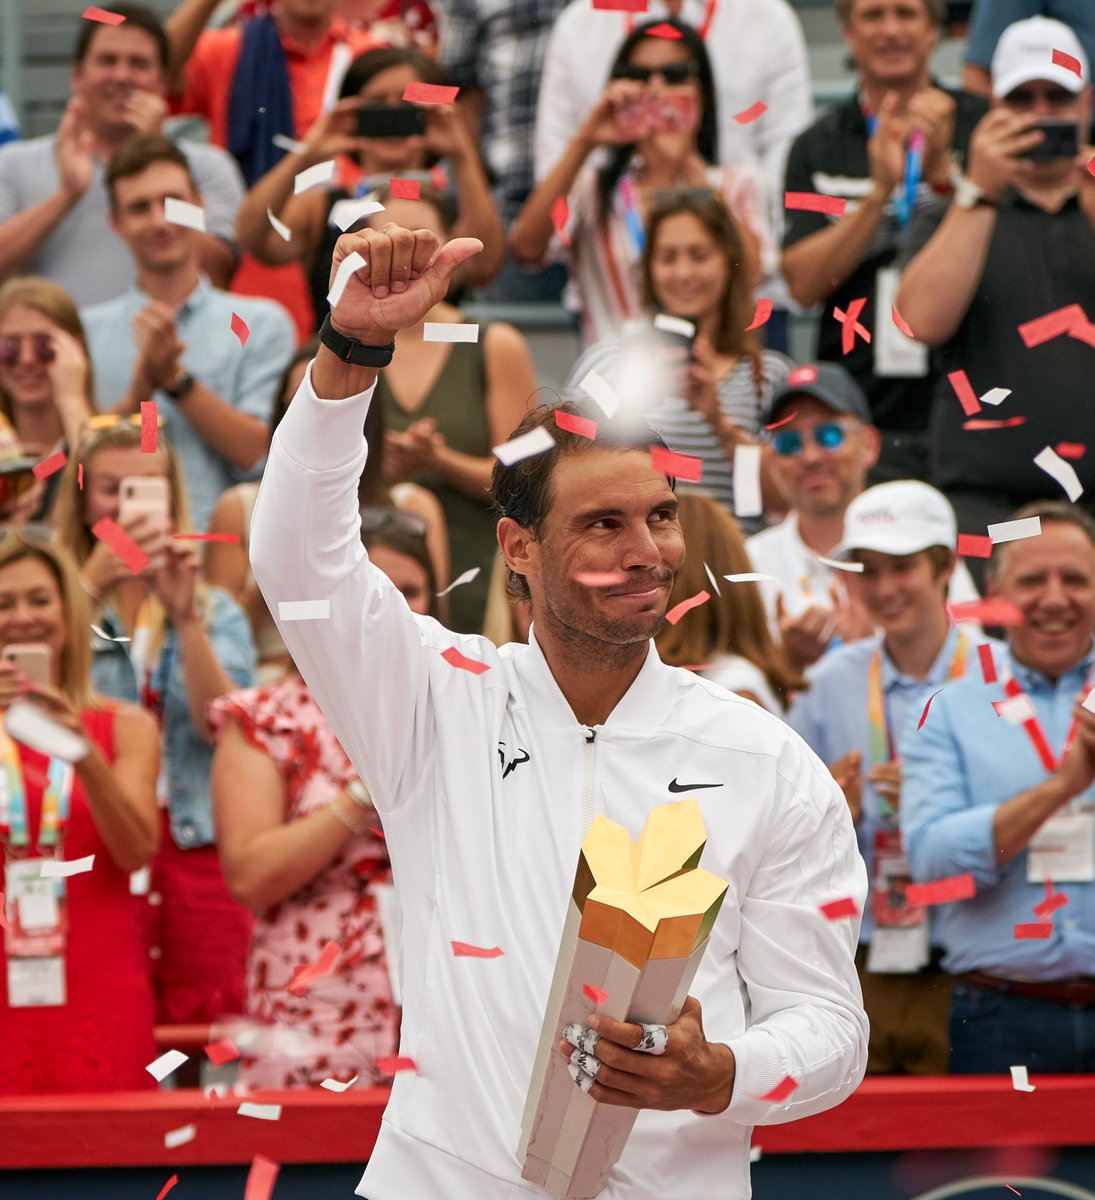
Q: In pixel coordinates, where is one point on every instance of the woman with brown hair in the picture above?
(726, 639)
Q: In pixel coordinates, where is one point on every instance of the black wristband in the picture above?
(350, 350)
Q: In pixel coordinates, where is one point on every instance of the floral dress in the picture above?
(345, 1020)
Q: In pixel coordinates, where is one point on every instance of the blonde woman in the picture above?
(726, 639)
(165, 640)
(76, 1011)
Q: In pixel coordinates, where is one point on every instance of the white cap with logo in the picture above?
(1025, 53)
(902, 517)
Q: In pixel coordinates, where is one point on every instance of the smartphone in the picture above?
(32, 658)
(144, 495)
(1061, 140)
(673, 113)
(16, 477)
(390, 121)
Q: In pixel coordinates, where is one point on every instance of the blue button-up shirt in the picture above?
(831, 716)
(244, 376)
(957, 770)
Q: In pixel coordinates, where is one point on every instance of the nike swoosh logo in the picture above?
(691, 787)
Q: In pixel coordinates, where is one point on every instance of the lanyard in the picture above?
(629, 210)
(705, 28)
(1033, 726)
(883, 749)
(56, 799)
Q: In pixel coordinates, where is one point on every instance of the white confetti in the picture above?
(304, 610)
(1016, 709)
(450, 331)
(536, 441)
(1013, 531)
(351, 263)
(678, 325)
(996, 396)
(336, 1085)
(1019, 1080)
(161, 1067)
(55, 868)
(1089, 701)
(288, 144)
(714, 581)
(345, 213)
(261, 1112)
(839, 564)
(182, 212)
(179, 1137)
(106, 636)
(280, 228)
(754, 1154)
(601, 391)
(751, 577)
(460, 580)
(28, 724)
(315, 176)
(747, 502)
(1064, 472)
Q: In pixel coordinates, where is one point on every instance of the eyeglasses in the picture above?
(828, 435)
(384, 520)
(673, 74)
(11, 348)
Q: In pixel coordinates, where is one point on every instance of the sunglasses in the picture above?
(385, 520)
(1024, 97)
(34, 533)
(674, 74)
(828, 435)
(11, 348)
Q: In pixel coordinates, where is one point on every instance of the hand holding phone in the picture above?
(31, 658)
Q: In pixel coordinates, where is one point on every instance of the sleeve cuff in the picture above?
(759, 1068)
(323, 435)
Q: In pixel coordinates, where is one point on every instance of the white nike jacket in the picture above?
(486, 785)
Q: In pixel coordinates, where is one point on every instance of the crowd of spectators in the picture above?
(852, 562)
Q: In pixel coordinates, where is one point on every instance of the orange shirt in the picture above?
(212, 66)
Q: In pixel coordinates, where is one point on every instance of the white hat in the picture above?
(1025, 52)
(898, 518)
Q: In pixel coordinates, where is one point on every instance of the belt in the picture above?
(1059, 991)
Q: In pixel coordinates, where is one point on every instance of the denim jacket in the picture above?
(188, 757)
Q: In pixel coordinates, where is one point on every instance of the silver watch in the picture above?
(359, 793)
(967, 194)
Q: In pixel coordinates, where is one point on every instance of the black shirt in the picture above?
(1037, 262)
(831, 157)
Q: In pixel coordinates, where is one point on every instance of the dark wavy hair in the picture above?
(369, 64)
(707, 136)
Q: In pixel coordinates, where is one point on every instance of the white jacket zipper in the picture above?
(587, 791)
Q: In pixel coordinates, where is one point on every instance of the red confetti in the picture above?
(1051, 325)
(990, 610)
(221, 1052)
(1034, 929)
(596, 994)
(631, 6)
(1011, 1189)
(438, 177)
(207, 537)
(988, 663)
(761, 315)
(974, 545)
(1067, 449)
(1053, 901)
(455, 659)
(927, 709)
(572, 423)
(1083, 331)
(149, 426)
(852, 327)
(1091, 166)
(681, 466)
(174, 1178)
(260, 1179)
(783, 421)
(678, 610)
(600, 578)
(3, 913)
(901, 323)
(240, 328)
(782, 1090)
(430, 93)
(392, 1063)
(835, 910)
(967, 397)
(981, 423)
(560, 218)
(751, 113)
(80, 476)
(815, 202)
(376, 831)
(310, 973)
(941, 891)
(49, 466)
(1070, 63)
(105, 17)
(466, 950)
(664, 31)
(109, 531)
(405, 189)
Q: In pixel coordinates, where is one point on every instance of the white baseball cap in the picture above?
(1025, 52)
(898, 518)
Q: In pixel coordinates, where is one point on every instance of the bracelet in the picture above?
(341, 817)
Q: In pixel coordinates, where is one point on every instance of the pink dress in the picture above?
(346, 1020)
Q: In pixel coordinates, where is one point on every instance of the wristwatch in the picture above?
(967, 194)
(181, 388)
(350, 350)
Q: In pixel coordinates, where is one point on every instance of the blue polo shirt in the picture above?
(958, 768)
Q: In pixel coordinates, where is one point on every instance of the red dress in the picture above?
(102, 1038)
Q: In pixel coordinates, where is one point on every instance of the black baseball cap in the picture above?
(828, 382)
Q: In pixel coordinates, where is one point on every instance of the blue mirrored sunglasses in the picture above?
(828, 435)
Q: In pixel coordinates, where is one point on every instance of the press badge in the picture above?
(34, 940)
(895, 355)
(1063, 850)
(900, 943)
